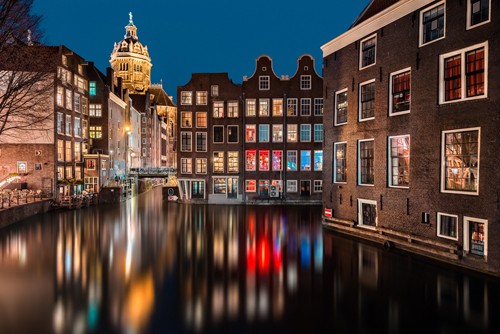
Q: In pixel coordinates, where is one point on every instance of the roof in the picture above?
(160, 96)
(139, 102)
(373, 8)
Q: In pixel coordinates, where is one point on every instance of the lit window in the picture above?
(186, 98)
(201, 141)
(264, 82)
(464, 74)
(476, 236)
(186, 166)
(291, 135)
(318, 106)
(318, 160)
(291, 186)
(77, 127)
(77, 102)
(186, 141)
(91, 164)
(264, 188)
(367, 100)
(277, 107)
(201, 166)
(68, 125)
(447, 226)
(250, 186)
(460, 172)
(232, 133)
(69, 151)
(478, 12)
(365, 162)
(251, 107)
(305, 82)
(232, 109)
(277, 160)
(232, 162)
(263, 133)
(201, 119)
(69, 99)
(291, 160)
(263, 160)
(432, 24)
(95, 110)
(218, 134)
(218, 109)
(92, 88)
(368, 51)
(399, 161)
(277, 133)
(318, 133)
(400, 88)
(305, 132)
(340, 162)
(215, 90)
(341, 107)
(263, 107)
(201, 98)
(186, 119)
(305, 160)
(292, 107)
(60, 121)
(218, 162)
(95, 132)
(60, 150)
(305, 107)
(250, 133)
(250, 160)
(60, 96)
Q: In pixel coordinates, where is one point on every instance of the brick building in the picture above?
(259, 141)
(411, 129)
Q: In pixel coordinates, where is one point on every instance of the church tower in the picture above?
(130, 61)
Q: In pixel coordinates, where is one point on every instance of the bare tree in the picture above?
(26, 74)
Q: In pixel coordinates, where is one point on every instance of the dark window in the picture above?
(340, 166)
(341, 107)
(452, 78)
(218, 134)
(479, 11)
(366, 168)
(474, 72)
(368, 50)
(232, 134)
(367, 101)
(401, 92)
(433, 24)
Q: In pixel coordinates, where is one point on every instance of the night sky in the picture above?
(185, 37)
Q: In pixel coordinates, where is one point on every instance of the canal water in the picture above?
(148, 266)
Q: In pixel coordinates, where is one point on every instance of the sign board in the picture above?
(328, 212)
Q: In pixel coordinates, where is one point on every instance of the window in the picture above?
(318, 133)
(69, 151)
(291, 135)
(291, 107)
(305, 107)
(251, 106)
(78, 152)
(367, 213)
(264, 82)
(277, 107)
(340, 162)
(291, 160)
(84, 128)
(263, 160)
(305, 82)
(232, 134)
(60, 96)
(250, 160)
(220, 185)
(264, 188)
(399, 161)
(399, 86)
(368, 52)
(60, 150)
(186, 166)
(318, 106)
(95, 132)
(215, 90)
(232, 162)
(305, 160)
(367, 100)
(250, 133)
(92, 88)
(95, 110)
(218, 134)
(68, 125)
(218, 162)
(318, 160)
(84, 105)
(218, 109)
(291, 186)
(186, 98)
(77, 102)
(77, 127)
(447, 226)
(69, 99)
(478, 12)
(277, 160)
(305, 132)
(341, 107)
(476, 236)
(460, 161)
(201, 166)
(60, 121)
(91, 164)
(432, 24)
(318, 186)
(232, 109)
(250, 186)
(186, 141)
(277, 133)
(201, 141)
(463, 74)
(186, 119)
(201, 119)
(263, 107)
(201, 98)
(365, 162)
(263, 133)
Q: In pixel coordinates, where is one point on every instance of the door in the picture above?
(305, 188)
(232, 187)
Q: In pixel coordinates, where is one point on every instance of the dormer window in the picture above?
(264, 82)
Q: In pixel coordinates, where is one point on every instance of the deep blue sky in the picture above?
(184, 37)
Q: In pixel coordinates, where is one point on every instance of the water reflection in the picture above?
(152, 266)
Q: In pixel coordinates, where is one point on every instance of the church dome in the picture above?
(130, 42)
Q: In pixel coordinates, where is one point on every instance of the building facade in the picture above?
(411, 127)
(259, 141)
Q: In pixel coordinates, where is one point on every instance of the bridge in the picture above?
(153, 172)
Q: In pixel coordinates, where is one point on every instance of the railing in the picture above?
(9, 198)
(153, 171)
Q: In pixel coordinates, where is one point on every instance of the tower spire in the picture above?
(130, 21)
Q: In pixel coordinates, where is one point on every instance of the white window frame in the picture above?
(359, 101)
(305, 82)
(184, 94)
(463, 79)
(335, 107)
(361, 67)
(237, 137)
(200, 96)
(292, 102)
(297, 162)
(469, 14)
(300, 133)
(182, 165)
(438, 226)
(359, 162)
(206, 119)
(305, 102)
(322, 132)
(196, 141)
(263, 79)
(318, 101)
(391, 113)
(443, 162)
(214, 90)
(292, 186)
(466, 223)
(191, 146)
(389, 162)
(317, 184)
(360, 213)
(186, 113)
(246, 186)
(335, 161)
(268, 133)
(196, 166)
(421, 27)
(247, 102)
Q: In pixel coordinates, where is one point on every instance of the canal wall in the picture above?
(19, 212)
